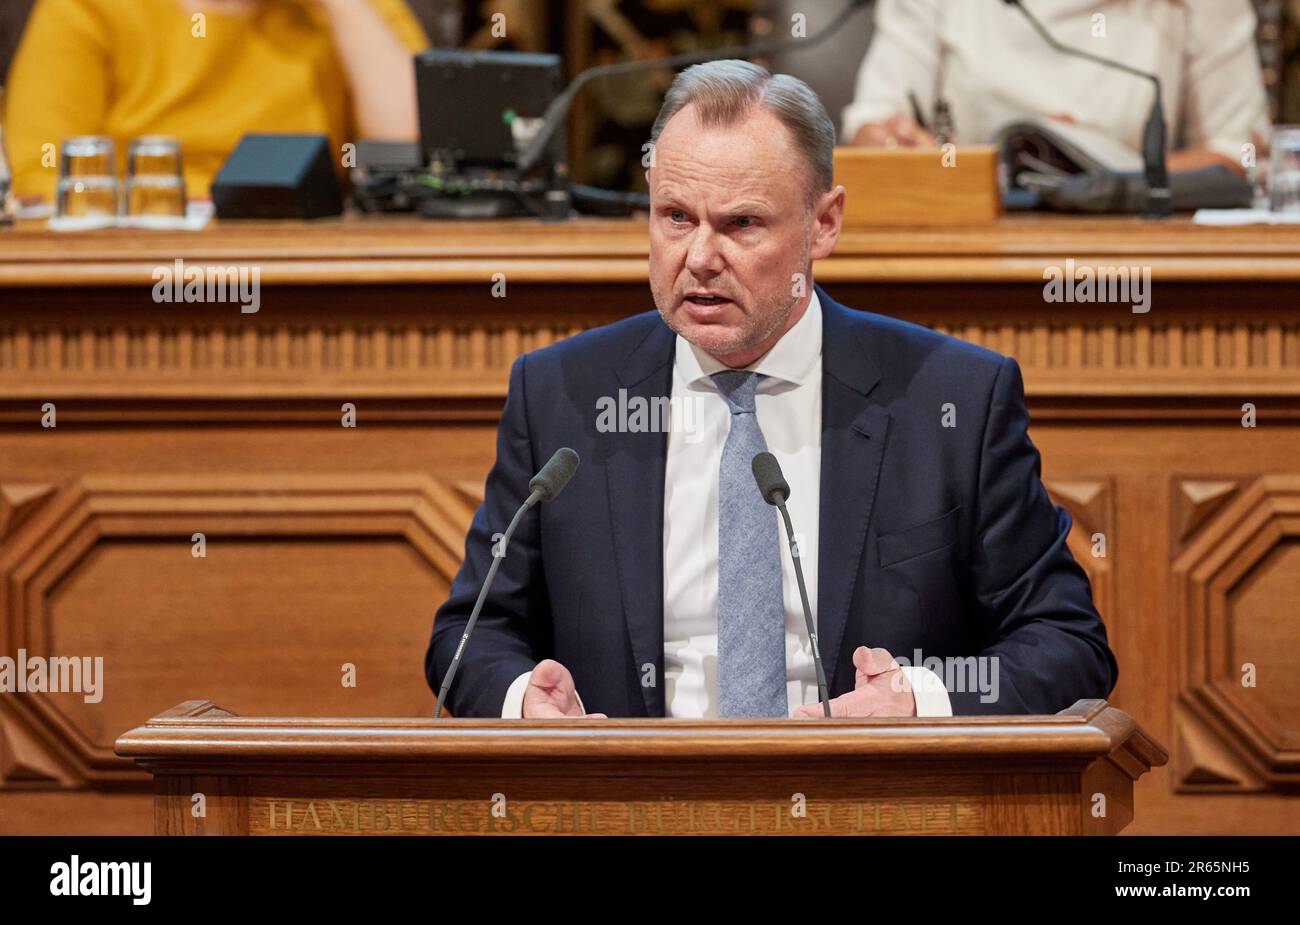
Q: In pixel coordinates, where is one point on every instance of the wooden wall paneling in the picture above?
(172, 414)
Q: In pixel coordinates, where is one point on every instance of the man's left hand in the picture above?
(880, 689)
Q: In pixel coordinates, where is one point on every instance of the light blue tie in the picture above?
(751, 610)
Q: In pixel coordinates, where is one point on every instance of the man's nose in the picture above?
(704, 257)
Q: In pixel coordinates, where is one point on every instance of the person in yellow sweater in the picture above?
(207, 72)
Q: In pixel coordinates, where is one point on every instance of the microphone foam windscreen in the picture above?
(767, 473)
(555, 474)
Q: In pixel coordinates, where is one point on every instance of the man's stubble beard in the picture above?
(749, 337)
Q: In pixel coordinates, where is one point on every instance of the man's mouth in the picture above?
(697, 298)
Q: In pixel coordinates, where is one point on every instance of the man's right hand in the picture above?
(551, 694)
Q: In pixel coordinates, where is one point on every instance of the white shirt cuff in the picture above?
(513, 708)
(927, 687)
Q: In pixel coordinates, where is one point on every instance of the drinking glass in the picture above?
(155, 182)
(1284, 170)
(88, 187)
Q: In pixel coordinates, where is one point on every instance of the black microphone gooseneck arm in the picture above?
(544, 486)
(776, 491)
(555, 114)
(1159, 200)
(498, 553)
(822, 693)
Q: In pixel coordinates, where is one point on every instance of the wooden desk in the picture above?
(400, 307)
(177, 419)
(1068, 774)
(393, 250)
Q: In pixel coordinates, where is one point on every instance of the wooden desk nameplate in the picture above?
(910, 187)
(216, 773)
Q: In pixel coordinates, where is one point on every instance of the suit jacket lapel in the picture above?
(635, 470)
(853, 444)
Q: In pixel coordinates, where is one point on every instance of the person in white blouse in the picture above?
(986, 61)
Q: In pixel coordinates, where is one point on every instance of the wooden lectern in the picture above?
(1068, 774)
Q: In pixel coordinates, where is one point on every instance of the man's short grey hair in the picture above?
(724, 91)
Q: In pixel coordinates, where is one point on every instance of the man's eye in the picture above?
(677, 215)
(744, 221)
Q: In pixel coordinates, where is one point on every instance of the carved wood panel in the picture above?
(313, 592)
(1237, 584)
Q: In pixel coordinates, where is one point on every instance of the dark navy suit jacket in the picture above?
(931, 537)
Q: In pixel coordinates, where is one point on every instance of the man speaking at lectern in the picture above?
(659, 583)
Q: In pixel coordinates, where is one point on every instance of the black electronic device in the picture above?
(479, 110)
(278, 176)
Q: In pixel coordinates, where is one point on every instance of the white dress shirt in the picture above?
(788, 406)
(994, 69)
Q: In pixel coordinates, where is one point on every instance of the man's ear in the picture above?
(828, 220)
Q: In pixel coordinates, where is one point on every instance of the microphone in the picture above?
(544, 486)
(554, 475)
(771, 483)
(1159, 200)
(776, 491)
(557, 112)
